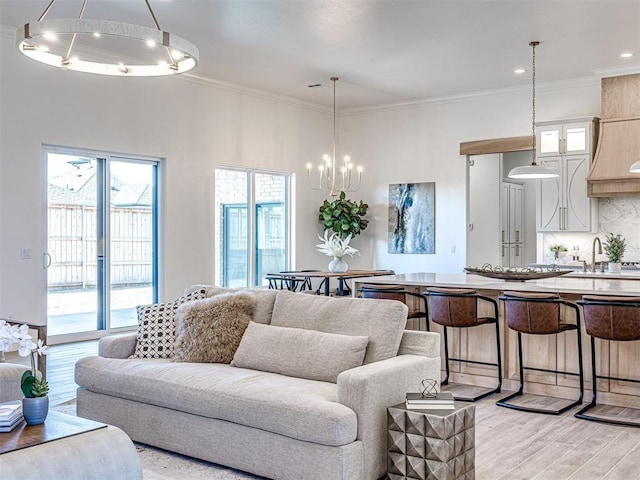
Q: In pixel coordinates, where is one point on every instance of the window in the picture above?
(250, 246)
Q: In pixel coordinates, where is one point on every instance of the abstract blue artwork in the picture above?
(412, 217)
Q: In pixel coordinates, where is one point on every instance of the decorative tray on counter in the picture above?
(515, 274)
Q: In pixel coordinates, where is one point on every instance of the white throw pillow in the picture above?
(297, 352)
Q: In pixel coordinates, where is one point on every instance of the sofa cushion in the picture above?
(383, 321)
(210, 330)
(299, 353)
(264, 299)
(157, 327)
(295, 407)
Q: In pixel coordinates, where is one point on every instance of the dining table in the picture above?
(292, 277)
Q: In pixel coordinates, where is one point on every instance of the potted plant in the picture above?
(614, 247)
(35, 405)
(344, 217)
(557, 249)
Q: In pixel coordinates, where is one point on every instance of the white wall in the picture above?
(195, 127)
(420, 143)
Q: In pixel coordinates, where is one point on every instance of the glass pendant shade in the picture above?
(635, 168)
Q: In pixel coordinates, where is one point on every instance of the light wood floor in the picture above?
(510, 445)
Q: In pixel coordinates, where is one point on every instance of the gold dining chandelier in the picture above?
(106, 47)
(331, 177)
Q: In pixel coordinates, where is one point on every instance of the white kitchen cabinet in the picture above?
(512, 255)
(570, 138)
(563, 205)
(562, 202)
(511, 224)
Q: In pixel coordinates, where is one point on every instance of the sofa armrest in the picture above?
(117, 346)
(370, 389)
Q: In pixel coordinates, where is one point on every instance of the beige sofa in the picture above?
(273, 425)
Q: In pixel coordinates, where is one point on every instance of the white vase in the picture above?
(614, 267)
(337, 265)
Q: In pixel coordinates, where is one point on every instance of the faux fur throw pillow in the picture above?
(210, 330)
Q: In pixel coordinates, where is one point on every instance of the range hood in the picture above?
(619, 139)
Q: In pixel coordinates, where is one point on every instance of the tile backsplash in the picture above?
(615, 215)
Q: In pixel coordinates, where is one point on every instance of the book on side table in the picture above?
(10, 415)
(442, 401)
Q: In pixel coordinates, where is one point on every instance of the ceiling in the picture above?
(384, 51)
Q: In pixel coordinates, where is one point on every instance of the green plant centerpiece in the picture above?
(614, 247)
(343, 217)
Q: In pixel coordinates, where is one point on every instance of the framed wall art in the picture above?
(412, 217)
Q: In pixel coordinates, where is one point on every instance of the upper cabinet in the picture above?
(567, 139)
(562, 202)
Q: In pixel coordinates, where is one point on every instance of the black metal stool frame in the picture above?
(504, 401)
(402, 291)
(498, 364)
(582, 413)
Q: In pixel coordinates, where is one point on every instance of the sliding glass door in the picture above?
(102, 240)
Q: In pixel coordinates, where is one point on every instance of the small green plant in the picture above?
(614, 247)
(556, 249)
(343, 217)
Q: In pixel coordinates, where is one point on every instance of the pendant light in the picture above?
(327, 171)
(105, 47)
(635, 168)
(534, 170)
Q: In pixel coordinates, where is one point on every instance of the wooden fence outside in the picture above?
(72, 245)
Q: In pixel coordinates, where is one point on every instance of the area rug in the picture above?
(158, 464)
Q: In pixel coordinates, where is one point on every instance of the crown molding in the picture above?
(617, 71)
(479, 95)
(230, 87)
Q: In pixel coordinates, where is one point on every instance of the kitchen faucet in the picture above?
(593, 253)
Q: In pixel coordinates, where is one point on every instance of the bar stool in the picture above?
(457, 307)
(396, 292)
(609, 318)
(539, 314)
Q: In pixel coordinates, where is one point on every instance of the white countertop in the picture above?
(593, 284)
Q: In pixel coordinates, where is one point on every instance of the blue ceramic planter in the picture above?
(35, 410)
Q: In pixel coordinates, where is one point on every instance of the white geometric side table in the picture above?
(431, 444)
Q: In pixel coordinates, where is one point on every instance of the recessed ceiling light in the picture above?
(96, 34)
(49, 36)
(151, 43)
(626, 55)
(519, 70)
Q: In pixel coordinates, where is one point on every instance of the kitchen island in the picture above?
(616, 359)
